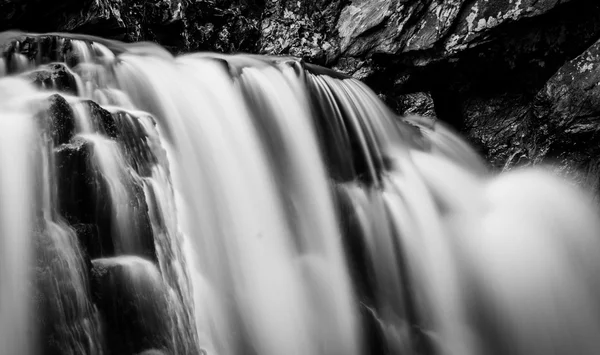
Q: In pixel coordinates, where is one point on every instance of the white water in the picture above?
(252, 261)
(17, 134)
(240, 160)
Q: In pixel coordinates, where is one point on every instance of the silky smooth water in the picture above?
(258, 205)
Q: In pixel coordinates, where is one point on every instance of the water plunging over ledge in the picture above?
(208, 203)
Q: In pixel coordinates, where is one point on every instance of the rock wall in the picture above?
(516, 76)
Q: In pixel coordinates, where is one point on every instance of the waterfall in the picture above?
(242, 204)
(17, 194)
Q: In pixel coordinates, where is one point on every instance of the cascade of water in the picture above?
(254, 205)
(157, 189)
(17, 193)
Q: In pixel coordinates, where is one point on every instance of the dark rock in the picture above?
(58, 120)
(77, 182)
(89, 239)
(65, 314)
(305, 29)
(55, 77)
(135, 142)
(129, 20)
(85, 198)
(418, 103)
(560, 125)
(133, 300)
(101, 118)
(223, 25)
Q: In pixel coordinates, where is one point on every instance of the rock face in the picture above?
(501, 71)
(132, 298)
(560, 124)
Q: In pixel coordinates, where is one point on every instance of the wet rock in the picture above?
(138, 147)
(133, 300)
(76, 181)
(58, 120)
(89, 239)
(42, 49)
(66, 317)
(54, 77)
(101, 118)
(83, 196)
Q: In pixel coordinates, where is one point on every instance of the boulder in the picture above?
(83, 196)
(133, 301)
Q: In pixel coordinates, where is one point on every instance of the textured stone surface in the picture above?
(561, 124)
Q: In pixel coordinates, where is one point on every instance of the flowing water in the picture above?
(231, 205)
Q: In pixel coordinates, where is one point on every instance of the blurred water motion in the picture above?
(258, 205)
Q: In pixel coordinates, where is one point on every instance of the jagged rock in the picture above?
(418, 103)
(133, 300)
(223, 25)
(305, 29)
(55, 77)
(132, 20)
(560, 125)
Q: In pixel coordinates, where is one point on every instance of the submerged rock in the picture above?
(133, 300)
